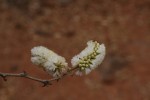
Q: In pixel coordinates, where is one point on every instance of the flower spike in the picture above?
(49, 61)
(89, 58)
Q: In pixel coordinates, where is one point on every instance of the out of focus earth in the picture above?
(65, 26)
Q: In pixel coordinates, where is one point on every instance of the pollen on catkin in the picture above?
(49, 61)
(89, 58)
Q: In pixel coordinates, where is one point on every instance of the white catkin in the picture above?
(49, 61)
(89, 58)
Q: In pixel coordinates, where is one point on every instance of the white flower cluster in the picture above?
(84, 62)
(89, 58)
(49, 61)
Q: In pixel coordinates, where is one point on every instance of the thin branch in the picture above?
(26, 75)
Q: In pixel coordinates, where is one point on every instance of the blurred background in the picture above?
(65, 26)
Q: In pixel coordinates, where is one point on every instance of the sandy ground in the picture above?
(65, 26)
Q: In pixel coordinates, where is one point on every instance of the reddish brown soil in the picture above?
(65, 26)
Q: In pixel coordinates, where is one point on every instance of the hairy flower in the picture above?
(89, 58)
(49, 61)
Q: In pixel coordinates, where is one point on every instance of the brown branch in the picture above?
(26, 75)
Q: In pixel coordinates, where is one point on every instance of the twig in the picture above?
(26, 75)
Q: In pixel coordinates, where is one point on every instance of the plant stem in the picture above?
(26, 75)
